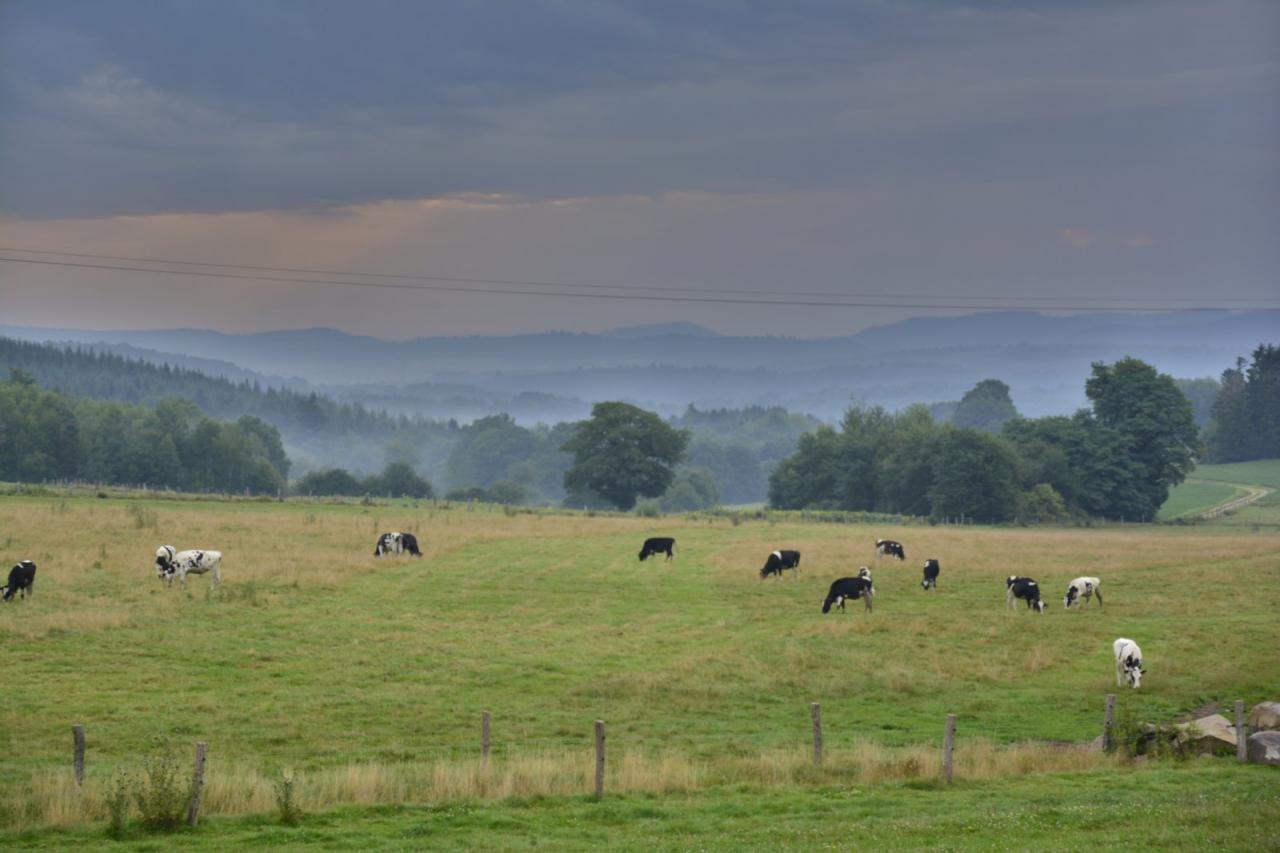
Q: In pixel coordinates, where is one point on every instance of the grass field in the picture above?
(1211, 485)
(368, 676)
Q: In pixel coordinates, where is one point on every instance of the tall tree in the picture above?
(1246, 413)
(986, 406)
(623, 452)
(1153, 419)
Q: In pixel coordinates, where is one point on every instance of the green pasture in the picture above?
(1195, 497)
(1262, 472)
(315, 655)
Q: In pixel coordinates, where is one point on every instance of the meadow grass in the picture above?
(367, 677)
(1261, 472)
(1195, 496)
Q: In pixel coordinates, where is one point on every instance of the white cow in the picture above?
(1128, 663)
(1081, 590)
(172, 564)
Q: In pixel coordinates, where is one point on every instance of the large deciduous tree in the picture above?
(623, 452)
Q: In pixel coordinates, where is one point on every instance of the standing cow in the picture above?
(396, 543)
(779, 561)
(658, 545)
(846, 588)
(1081, 590)
(1128, 662)
(888, 547)
(22, 578)
(172, 564)
(931, 569)
(1025, 589)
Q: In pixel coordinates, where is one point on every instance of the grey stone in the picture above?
(1211, 735)
(1265, 716)
(1263, 748)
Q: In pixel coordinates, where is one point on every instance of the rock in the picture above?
(1265, 716)
(1211, 735)
(1263, 748)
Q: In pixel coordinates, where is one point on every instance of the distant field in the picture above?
(369, 676)
(1211, 485)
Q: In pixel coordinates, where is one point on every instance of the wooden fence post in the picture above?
(484, 739)
(948, 743)
(1108, 724)
(599, 759)
(77, 733)
(1242, 733)
(816, 711)
(197, 785)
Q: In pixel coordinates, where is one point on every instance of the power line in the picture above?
(501, 282)
(790, 303)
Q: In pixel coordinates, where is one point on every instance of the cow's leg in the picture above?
(217, 573)
(866, 602)
(1008, 599)
(1098, 593)
(1119, 669)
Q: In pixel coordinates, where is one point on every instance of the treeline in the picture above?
(48, 435)
(1245, 421)
(319, 428)
(1115, 460)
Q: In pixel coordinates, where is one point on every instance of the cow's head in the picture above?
(1070, 597)
(1133, 671)
(1037, 605)
(164, 560)
(826, 605)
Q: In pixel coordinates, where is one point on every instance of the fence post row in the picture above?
(816, 711)
(484, 739)
(948, 743)
(599, 759)
(1108, 724)
(197, 785)
(1242, 733)
(77, 732)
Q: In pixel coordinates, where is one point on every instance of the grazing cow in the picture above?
(846, 588)
(658, 545)
(891, 548)
(22, 578)
(779, 561)
(931, 569)
(1081, 590)
(1026, 589)
(1128, 663)
(172, 564)
(397, 544)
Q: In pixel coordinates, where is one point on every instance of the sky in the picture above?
(846, 164)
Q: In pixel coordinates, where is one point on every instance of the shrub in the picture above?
(161, 796)
(286, 799)
(117, 801)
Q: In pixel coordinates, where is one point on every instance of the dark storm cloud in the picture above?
(139, 108)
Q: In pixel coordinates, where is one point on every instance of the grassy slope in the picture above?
(314, 655)
(1207, 805)
(1264, 472)
(1195, 497)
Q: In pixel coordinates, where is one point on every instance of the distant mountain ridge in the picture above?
(667, 366)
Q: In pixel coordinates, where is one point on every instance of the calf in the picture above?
(846, 588)
(1080, 590)
(1026, 589)
(779, 561)
(22, 578)
(658, 545)
(1128, 663)
(176, 565)
(931, 569)
(891, 548)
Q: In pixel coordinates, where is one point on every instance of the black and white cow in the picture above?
(172, 564)
(1025, 589)
(846, 588)
(1128, 662)
(779, 561)
(658, 545)
(931, 569)
(22, 578)
(397, 543)
(889, 547)
(1081, 590)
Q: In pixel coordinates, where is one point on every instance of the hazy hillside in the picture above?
(557, 375)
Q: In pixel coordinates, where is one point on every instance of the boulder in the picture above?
(1265, 716)
(1211, 735)
(1263, 748)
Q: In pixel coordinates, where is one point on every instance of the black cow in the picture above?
(22, 577)
(845, 588)
(893, 549)
(779, 561)
(658, 545)
(1025, 589)
(931, 569)
(409, 543)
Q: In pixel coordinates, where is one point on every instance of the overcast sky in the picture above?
(973, 153)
